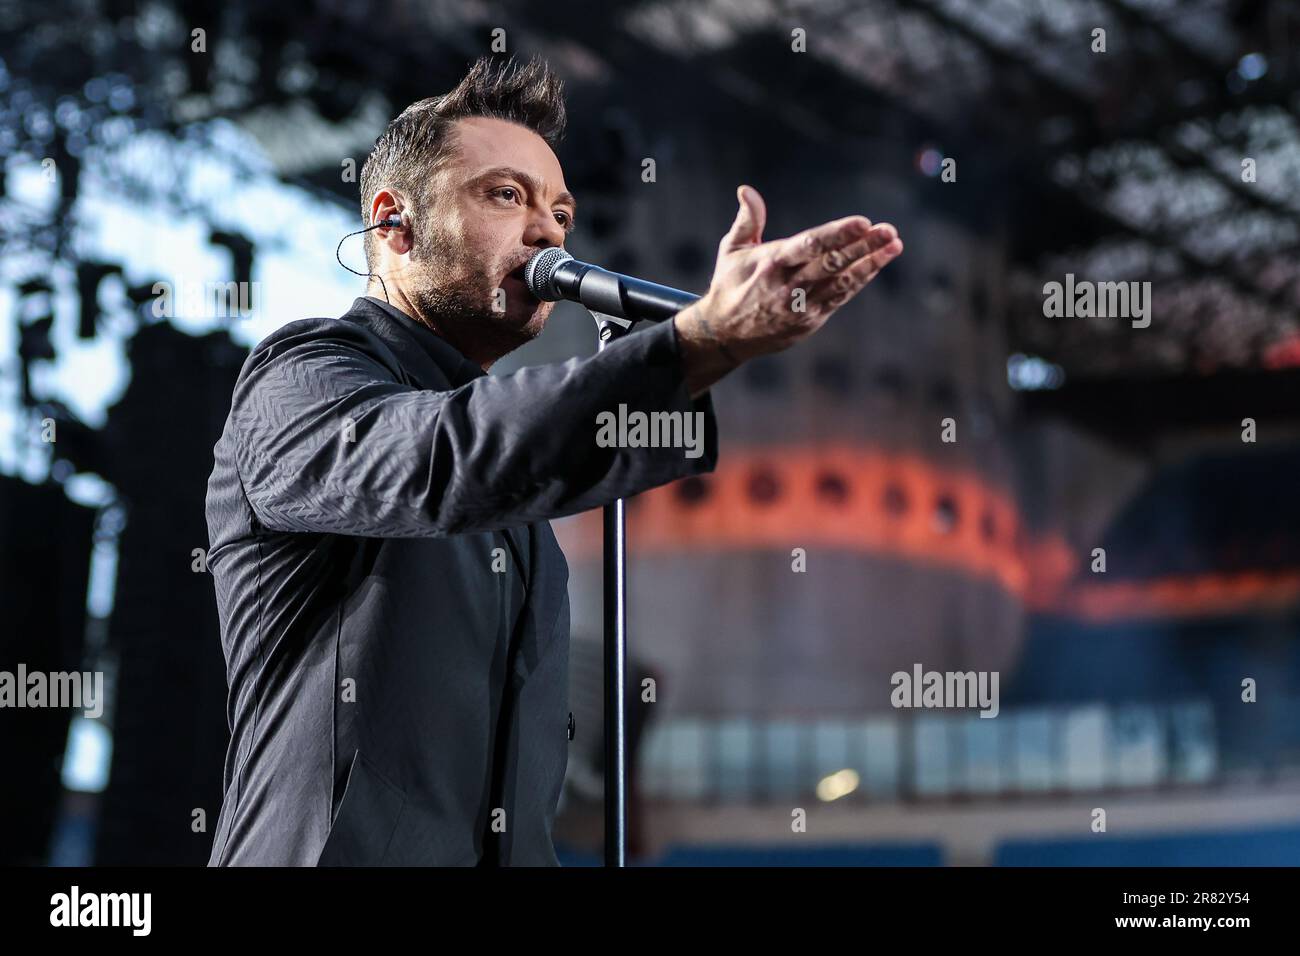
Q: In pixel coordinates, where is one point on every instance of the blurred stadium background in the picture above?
(128, 158)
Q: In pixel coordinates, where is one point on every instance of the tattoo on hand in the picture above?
(708, 330)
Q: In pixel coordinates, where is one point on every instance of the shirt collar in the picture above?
(447, 357)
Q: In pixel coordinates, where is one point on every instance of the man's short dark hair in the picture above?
(416, 145)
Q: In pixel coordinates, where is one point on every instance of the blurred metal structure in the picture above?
(1128, 162)
(1132, 154)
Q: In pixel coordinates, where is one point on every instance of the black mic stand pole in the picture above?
(609, 328)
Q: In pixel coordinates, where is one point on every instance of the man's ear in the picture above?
(387, 205)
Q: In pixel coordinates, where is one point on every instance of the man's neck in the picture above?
(398, 299)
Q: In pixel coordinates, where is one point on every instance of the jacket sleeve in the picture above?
(328, 439)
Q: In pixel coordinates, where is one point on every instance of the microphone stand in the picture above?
(609, 328)
(586, 283)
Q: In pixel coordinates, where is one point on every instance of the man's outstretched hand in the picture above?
(753, 304)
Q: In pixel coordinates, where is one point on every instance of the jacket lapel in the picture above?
(430, 361)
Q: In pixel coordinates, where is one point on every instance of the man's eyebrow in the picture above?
(527, 180)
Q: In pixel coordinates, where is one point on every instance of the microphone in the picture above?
(552, 274)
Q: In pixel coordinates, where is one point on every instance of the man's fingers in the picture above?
(834, 291)
(836, 260)
(751, 217)
(806, 246)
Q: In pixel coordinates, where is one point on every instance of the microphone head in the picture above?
(540, 270)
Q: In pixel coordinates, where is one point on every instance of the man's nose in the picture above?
(543, 230)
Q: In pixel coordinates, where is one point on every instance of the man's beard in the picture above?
(454, 294)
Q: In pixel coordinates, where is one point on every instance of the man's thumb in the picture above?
(750, 218)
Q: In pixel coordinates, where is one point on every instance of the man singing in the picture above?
(393, 604)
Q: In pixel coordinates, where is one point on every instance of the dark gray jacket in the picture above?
(395, 696)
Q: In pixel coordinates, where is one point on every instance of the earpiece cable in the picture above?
(365, 275)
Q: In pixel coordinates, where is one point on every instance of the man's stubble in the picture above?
(454, 294)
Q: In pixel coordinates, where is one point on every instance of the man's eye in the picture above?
(507, 192)
(563, 219)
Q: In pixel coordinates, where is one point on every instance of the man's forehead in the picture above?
(484, 143)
